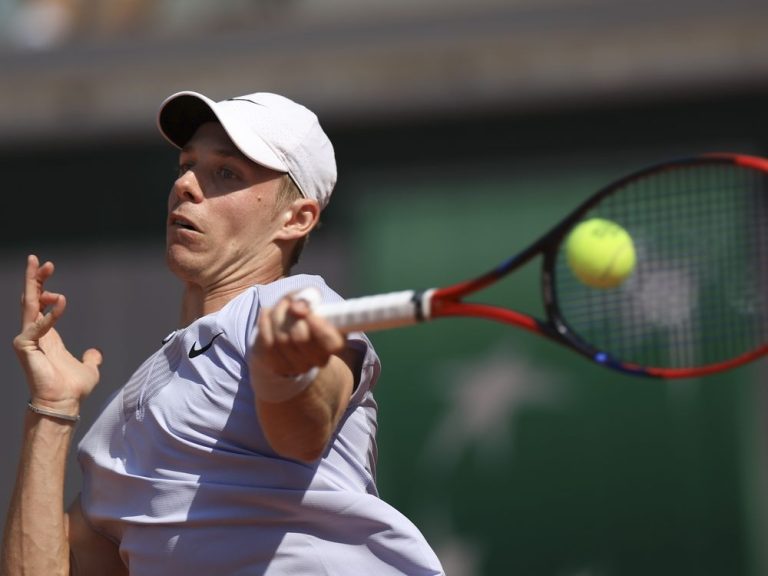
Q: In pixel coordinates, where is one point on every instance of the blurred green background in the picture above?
(536, 461)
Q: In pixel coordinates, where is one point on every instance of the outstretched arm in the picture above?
(303, 376)
(36, 533)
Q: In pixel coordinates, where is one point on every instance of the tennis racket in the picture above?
(695, 302)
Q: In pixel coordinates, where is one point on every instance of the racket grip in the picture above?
(370, 313)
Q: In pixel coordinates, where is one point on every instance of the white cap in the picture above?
(270, 129)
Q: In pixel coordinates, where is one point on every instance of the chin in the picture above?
(181, 262)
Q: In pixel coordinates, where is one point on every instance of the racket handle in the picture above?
(370, 313)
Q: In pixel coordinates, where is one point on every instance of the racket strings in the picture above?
(698, 293)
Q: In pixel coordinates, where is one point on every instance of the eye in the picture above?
(227, 174)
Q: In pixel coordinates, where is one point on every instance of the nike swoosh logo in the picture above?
(195, 352)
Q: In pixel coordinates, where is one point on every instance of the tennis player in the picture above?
(246, 443)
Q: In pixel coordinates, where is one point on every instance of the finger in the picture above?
(311, 295)
(282, 320)
(302, 306)
(44, 322)
(265, 351)
(313, 342)
(30, 306)
(299, 308)
(298, 331)
(303, 349)
(93, 357)
(266, 354)
(265, 337)
(35, 278)
(314, 338)
(290, 329)
(45, 271)
(48, 299)
(326, 334)
(43, 274)
(275, 347)
(292, 346)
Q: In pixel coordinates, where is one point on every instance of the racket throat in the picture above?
(422, 304)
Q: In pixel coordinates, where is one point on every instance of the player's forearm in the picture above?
(301, 426)
(35, 538)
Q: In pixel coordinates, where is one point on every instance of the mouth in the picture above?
(179, 222)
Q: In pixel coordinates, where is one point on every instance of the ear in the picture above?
(298, 219)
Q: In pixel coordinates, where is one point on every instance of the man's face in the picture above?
(222, 217)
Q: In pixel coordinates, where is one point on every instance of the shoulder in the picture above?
(238, 317)
(269, 294)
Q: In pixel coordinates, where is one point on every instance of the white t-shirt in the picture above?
(177, 470)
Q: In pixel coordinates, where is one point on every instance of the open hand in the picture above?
(56, 379)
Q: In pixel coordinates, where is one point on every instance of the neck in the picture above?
(198, 300)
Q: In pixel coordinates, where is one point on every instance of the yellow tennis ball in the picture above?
(600, 253)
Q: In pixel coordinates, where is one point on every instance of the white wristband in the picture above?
(53, 413)
(276, 388)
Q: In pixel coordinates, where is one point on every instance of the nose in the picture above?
(187, 187)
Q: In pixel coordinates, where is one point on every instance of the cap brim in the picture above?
(181, 114)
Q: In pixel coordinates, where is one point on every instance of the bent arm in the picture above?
(36, 536)
(299, 414)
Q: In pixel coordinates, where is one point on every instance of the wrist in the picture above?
(67, 410)
(276, 388)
